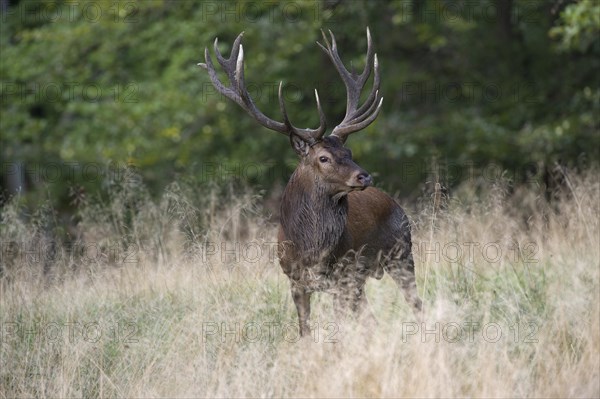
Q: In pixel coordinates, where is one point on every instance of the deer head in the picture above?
(322, 157)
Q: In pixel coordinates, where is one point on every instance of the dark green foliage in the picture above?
(512, 83)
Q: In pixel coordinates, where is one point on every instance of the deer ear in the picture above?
(299, 145)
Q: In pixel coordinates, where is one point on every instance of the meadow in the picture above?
(182, 296)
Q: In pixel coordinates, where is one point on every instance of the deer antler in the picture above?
(237, 91)
(356, 117)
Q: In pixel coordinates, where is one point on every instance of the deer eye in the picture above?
(324, 159)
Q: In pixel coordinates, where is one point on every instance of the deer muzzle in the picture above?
(361, 180)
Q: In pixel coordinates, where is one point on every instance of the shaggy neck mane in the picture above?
(311, 219)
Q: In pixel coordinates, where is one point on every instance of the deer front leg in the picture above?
(302, 300)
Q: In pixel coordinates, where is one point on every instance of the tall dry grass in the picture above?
(183, 297)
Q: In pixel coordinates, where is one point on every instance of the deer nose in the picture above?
(364, 178)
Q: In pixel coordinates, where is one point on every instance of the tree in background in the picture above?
(92, 85)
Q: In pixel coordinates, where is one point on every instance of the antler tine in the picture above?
(226, 91)
(228, 64)
(237, 92)
(356, 117)
(309, 135)
(372, 98)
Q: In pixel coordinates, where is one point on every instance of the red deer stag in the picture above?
(336, 230)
